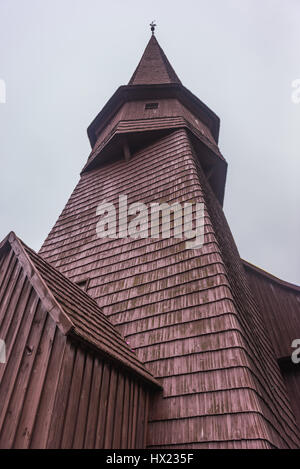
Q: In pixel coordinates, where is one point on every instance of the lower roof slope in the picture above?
(75, 312)
(279, 302)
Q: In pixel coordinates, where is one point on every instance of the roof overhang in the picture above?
(147, 92)
(57, 309)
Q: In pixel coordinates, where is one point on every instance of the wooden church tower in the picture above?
(196, 335)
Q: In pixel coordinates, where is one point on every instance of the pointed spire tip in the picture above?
(153, 26)
(154, 67)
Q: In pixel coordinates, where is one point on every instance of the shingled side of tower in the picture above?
(188, 314)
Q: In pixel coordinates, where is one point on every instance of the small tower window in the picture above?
(83, 284)
(151, 106)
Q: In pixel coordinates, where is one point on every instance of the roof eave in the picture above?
(59, 316)
(270, 277)
(138, 373)
(165, 90)
(34, 277)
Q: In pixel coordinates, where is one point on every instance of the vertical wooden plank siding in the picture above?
(119, 412)
(280, 305)
(291, 377)
(100, 432)
(61, 399)
(45, 411)
(54, 393)
(94, 404)
(126, 414)
(82, 415)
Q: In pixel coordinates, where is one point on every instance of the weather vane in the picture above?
(153, 26)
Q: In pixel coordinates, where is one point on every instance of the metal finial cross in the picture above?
(152, 26)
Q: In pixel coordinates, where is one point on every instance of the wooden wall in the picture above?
(175, 306)
(291, 376)
(53, 393)
(280, 306)
(134, 110)
(279, 303)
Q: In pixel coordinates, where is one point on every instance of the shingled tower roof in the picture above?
(189, 315)
(154, 67)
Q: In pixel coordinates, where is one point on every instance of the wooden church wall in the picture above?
(174, 305)
(279, 304)
(53, 393)
(291, 376)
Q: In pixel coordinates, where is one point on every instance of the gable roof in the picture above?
(76, 314)
(279, 303)
(154, 67)
(257, 270)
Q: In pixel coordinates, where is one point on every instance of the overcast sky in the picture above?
(61, 61)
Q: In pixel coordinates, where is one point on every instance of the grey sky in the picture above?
(63, 59)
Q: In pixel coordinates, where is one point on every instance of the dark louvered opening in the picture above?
(151, 106)
(83, 284)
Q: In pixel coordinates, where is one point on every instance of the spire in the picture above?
(154, 67)
(152, 26)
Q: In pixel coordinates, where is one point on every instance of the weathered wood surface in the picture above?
(55, 392)
(189, 315)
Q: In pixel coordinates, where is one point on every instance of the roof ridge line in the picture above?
(268, 275)
(66, 325)
(169, 67)
(42, 290)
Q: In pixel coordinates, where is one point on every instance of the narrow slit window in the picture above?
(151, 106)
